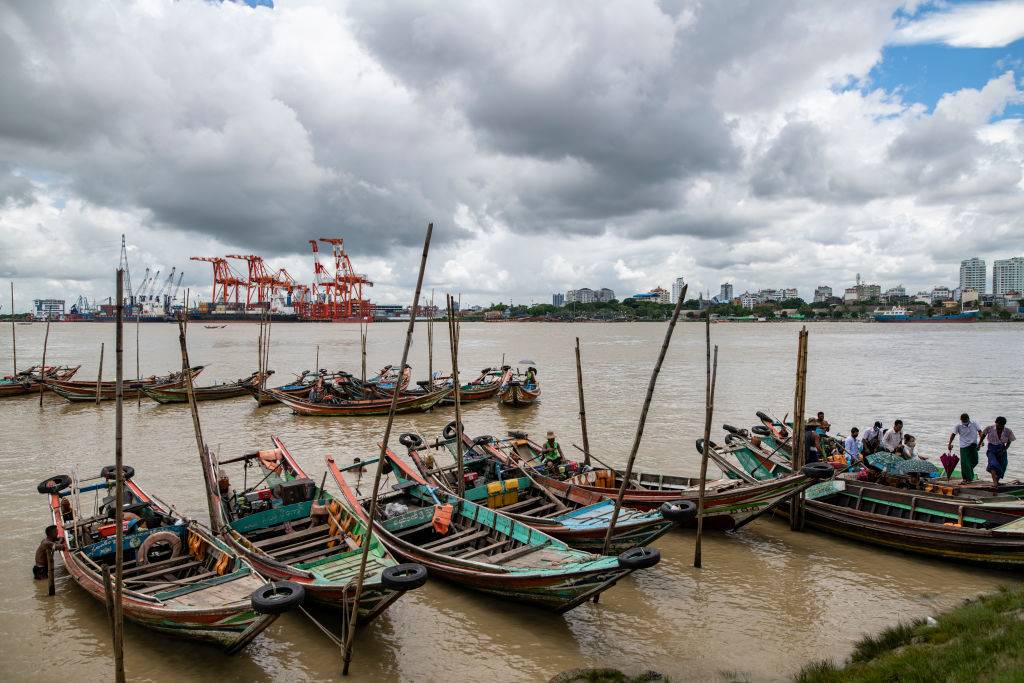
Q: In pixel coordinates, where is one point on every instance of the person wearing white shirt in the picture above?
(969, 433)
(851, 447)
(872, 438)
(892, 440)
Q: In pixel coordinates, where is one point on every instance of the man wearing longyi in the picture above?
(969, 432)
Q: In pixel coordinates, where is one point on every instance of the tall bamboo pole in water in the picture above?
(709, 409)
(430, 344)
(453, 337)
(119, 483)
(42, 371)
(14, 335)
(350, 631)
(362, 346)
(138, 366)
(799, 440)
(583, 410)
(99, 376)
(627, 475)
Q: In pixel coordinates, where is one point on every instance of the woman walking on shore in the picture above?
(999, 439)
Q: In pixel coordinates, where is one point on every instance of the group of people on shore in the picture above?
(971, 438)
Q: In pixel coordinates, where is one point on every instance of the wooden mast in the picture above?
(119, 483)
(583, 410)
(643, 420)
(709, 409)
(14, 335)
(453, 337)
(799, 440)
(42, 371)
(99, 376)
(350, 630)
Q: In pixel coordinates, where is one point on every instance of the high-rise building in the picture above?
(663, 295)
(941, 294)
(558, 300)
(1008, 276)
(677, 288)
(725, 292)
(972, 274)
(605, 294)
(822, 293)
(790, 293)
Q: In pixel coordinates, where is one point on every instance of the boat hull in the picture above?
(363, 407)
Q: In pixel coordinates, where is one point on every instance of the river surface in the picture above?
(767, 600)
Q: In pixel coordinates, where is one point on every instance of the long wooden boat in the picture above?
(571, 514)
(28, 381)
(291, 530)
(516, 393)
(484, 387)
(903, 520)
(216, 392)
(485, 550)
(86, 391)
(382, 385)
(178, 578)
(360, 407)
(764, 460)
(726, 504)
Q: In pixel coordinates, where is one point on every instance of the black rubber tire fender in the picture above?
(54, 484)
(818, 470)
(731, 429)
(482, 440)
(764, 418)
(278, 597)
(761, 430)
(410, 440)
(679, 510)
(700, 446)
(110, 472)
(639, 558)
(450, 431)
(404, 577)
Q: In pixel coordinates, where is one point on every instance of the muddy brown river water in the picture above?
(767, 600)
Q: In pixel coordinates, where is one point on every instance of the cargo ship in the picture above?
(899, 314)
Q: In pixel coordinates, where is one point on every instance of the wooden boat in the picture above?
(334, 407)
(178, 578)
(216, 392)
(291, 530)
(764, 461)
(726, 505)
(86, 391)
(215, 327)
(485, 550)
(482, 388)
(579, 518)
(516, 393)
(28, 381)
(903, 520)
(383, 384)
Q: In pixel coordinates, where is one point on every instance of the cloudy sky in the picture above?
(554, 145)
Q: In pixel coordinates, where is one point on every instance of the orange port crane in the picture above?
(261, 285)
(344, 293)
(225, 279)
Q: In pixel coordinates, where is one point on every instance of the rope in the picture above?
(334, 639)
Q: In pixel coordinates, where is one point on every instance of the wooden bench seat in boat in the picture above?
(174, 568)
(132, 569)
(461, 540)
(158, 588)
(290, 537)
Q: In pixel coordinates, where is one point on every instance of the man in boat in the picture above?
(969, 433)
(999, 439)
(872, 438)
(551, 453)
(50, 543)
(823, 423)
(851, 447)
(892, 440)
(812, 442)
(531, 377)
(316, 394)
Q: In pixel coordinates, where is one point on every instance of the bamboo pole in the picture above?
(194, 409)
(14, 335)
(362, 345)
(138, 366)
(316, 361)
(99, 376)
(51, 587)
(709, 409)
(259, 358)
(42, 370)
(119, 483)
(108, 598)
(453, 337)
(430, 344)
(583, 410)
(350, 631)
(799, 440)
(266, 355)
(643, 420)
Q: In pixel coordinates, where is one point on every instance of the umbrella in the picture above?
(949, 463)
(914, 466)
(883, 461)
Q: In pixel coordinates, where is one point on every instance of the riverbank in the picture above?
(979, 640)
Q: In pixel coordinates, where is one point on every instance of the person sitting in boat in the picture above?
(316, 394)
(50, 543)
(910, 448)
(872, 438)
(824, 424)
(551, 454)
(999, 439)
(531, 376)
(892, 440)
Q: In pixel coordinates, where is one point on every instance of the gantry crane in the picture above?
(225, 279)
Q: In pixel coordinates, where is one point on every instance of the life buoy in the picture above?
(148, 551)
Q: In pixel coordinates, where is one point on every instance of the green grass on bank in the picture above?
(981, 640)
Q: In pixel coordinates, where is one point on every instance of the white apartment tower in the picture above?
(677, 288)
(972, 274)
(1008, 276)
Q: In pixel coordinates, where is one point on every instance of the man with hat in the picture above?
(551, 453)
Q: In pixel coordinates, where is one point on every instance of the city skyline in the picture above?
(722, 157)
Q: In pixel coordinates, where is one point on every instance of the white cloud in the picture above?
(980, 24)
